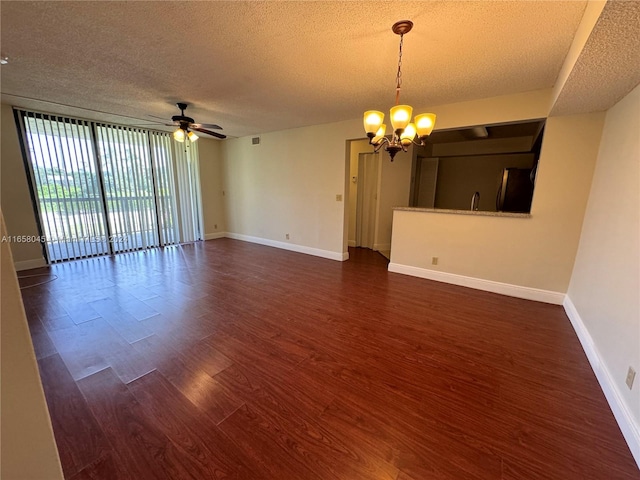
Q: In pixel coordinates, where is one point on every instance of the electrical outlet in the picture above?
(338, 198)
(287, 236)
(631, 376)
(434, 260)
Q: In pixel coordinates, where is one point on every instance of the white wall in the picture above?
(605, 285)
(536, 252)
(28, 446)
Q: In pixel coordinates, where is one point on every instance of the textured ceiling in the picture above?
(254, 67)
(610, 57)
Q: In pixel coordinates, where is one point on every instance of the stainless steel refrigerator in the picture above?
(516, 190)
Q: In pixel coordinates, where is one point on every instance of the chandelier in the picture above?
(404, 131)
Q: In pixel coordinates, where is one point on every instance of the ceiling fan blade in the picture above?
(206, 125)
(209, 132)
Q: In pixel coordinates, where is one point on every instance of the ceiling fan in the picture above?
(186, 126)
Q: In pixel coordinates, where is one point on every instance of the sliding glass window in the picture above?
(66, 185)
(99, 188)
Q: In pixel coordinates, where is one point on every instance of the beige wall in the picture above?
(487, 111)
(210, 161)
(28, 447)
(536, 252)
(288, 184)
(605, 285)
(14, 192)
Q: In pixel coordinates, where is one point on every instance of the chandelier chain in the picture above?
(399, 74)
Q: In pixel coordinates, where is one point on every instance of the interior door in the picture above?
(368, 165)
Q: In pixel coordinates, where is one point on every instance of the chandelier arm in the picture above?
(378, 146)
(422, 143)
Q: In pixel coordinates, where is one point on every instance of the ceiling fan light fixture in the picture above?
(185, 124)
(404, 132)
(178, 135)
(192, 136)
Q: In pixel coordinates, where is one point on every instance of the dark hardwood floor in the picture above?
(225, 359)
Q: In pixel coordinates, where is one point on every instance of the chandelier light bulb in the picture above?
(372, 121)
(407, 136)
(425, 123)
(400, 116)
(379, 134)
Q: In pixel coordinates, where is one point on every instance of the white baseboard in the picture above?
(517, 291)
(351, 243)
(384, 247)
(213, 236)
(340, 256)
(29, 264)
(629, 427)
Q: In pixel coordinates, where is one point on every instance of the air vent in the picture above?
(255, 141)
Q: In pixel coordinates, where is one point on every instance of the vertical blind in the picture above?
(128, 187)
(102, 189)
(189, 187)
(165, 188)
